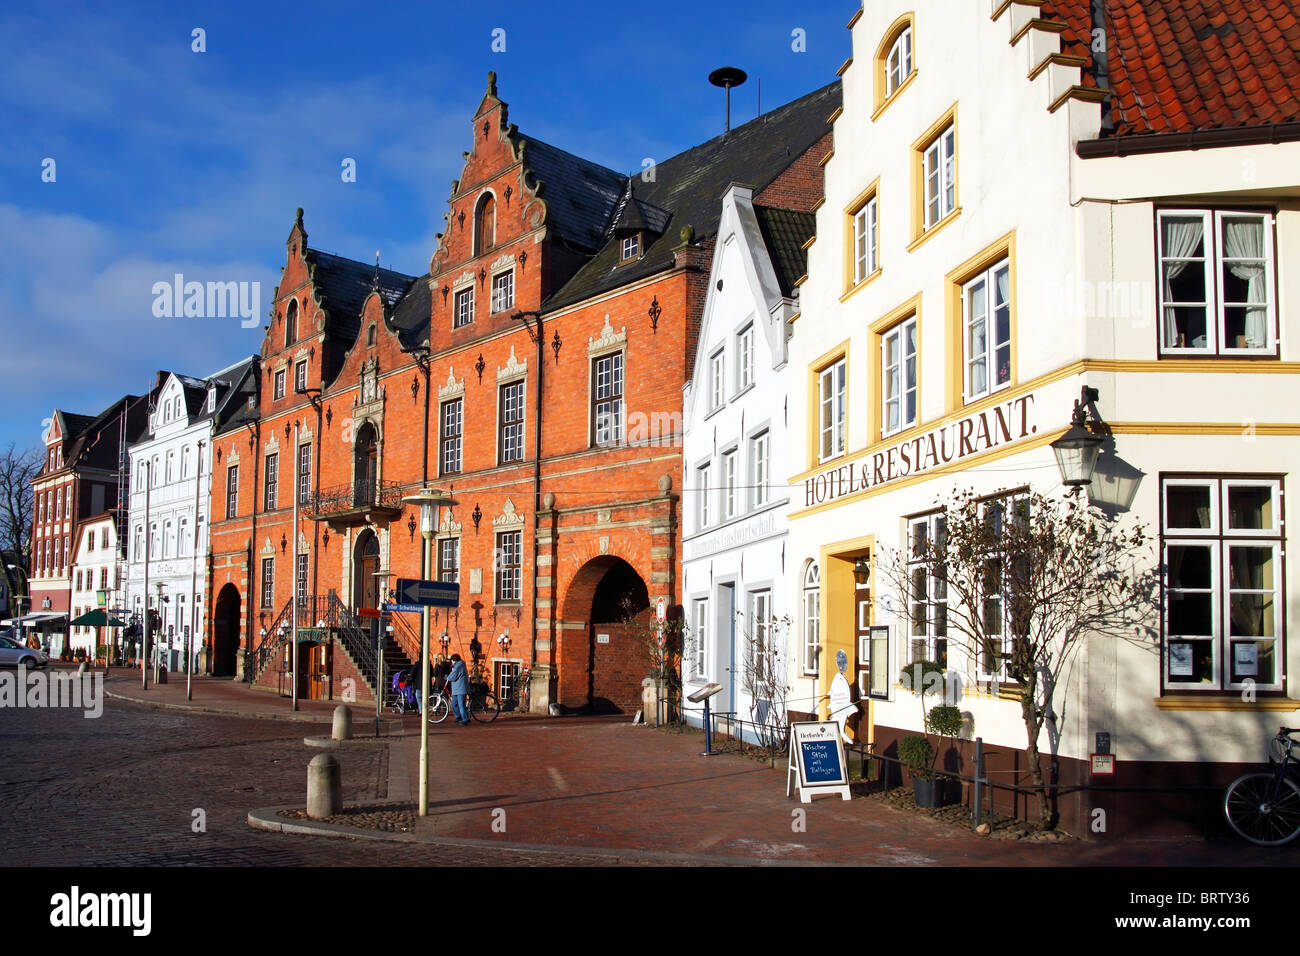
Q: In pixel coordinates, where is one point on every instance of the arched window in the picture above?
(370, 336)
(485, 225)
(291, 323)
(812, 611)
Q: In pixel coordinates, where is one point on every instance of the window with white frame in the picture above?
(939, 172)
(703, 476)
(271, 482)
(865, 241)
(928, 590)
(232, 491)
(300, 376)
(1002, 606)
(301, 590)
(700, 639)
(449, 559)
(631, 246)
(279, 384)
(304, 474)
(745, 358)
(986, 323)
(509, 564)
(511, 408)
(463, 313)
(898, 377)
(898, 65)
(607, 399)
(1216, 282)
(730, 484)
(830, 402)
(717, 379)
(1222, 548)
(762, 650)
(812, 617)
(452, 426)
(503, 291)
(760, 449)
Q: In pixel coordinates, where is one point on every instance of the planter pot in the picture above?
(929, 793)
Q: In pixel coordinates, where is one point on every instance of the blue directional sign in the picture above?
(404, 608)
(427, 593)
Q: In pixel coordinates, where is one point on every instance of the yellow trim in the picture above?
(827, 158)
(875, 397)
(818, 204)
(850, 247)
(1038, 23)
(954, 341)
(1005, 5)
(862, 285)
(839, 110)
(1195, 702)
(808, 244)
(844, 67)
(1206, 366)
(924, 142)
(854, 19)
(815, 369)
(838, 604)
(1063, 59)
(880, 102)
(1086, 94)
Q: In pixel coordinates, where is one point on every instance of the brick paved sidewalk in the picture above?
(221, 695)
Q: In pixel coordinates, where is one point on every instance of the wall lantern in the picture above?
(444, 640)
(862, 570)
(1077, 450)
(503, 641)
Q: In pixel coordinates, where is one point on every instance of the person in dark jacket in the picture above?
(459, 680)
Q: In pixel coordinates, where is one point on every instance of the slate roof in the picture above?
(1179, 66)
(688, 189)
(784, 233)
(410, 316)
(580, 195)
(232, 407)
(343, 285)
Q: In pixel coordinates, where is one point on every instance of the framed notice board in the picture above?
(817, 762)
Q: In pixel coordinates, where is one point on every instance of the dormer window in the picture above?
(631, 246)
(485, 225)
(212, 399)
(291, 323)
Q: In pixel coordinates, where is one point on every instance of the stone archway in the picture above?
(225, 632)
(602, 654)
(365, 562)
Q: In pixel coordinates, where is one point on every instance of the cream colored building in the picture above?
(1005, 224)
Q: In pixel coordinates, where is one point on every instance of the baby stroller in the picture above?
(404, 692)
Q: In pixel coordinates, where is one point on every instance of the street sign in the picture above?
(661, 610)
(427, 593)
(404, 608)
(368, 612)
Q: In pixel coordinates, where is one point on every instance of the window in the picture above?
(509, 560)
(302, 579)
(898, 65)
(512, 422)
(898, 377)
(717, 380)
(272, 481)
(169, 474)
(761, 647)
(185, 462)
(760, 447)
(485, 225)
(370, 335)
(1221, 546)
(300, 376)
(103, 579)
(268, 582)
(745, 358)
(700, 638)
(169, 539)
(928, 590)
(729, 489)
(830, 403)
(153, 540)
(866, 240)
(704, 474)
(464, 314)
(181, 536)
(939, 171)
(449, 559)
(1217, 277)
(607, 400)
(232, 491)
(1001, 605)
(212, 400)
(291, 323)
(90, 540)
(631, 246)
(986, 323)
(507, 679)
(79, 580)
(452, 424)
(278, 391)
(503, 291)
(138, 550)
(304, 473)
(812, 617)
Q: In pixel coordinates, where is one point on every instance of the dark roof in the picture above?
(410, 318)
(1178, 66)
(785, 231)
(580, 195)
(343, 286)
(74, 424)
(688, 188)
(232, 405)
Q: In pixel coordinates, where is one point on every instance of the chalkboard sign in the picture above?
(817, 762)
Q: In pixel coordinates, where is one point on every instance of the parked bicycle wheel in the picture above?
(484, 707)
(439, 708)
(1263, 809)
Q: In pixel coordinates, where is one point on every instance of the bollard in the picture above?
(324, 787)
(342, 722)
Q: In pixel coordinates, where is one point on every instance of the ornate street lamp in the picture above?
(1077, 450)
(862, 570)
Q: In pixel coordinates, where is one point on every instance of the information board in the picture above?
(817, 763)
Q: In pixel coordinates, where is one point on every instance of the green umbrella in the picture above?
(96, 618)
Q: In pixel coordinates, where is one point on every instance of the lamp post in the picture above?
(428, 500)
(1077, 450)
(381, 581)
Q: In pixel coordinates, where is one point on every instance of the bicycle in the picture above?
(483, 704)
(1264, 807)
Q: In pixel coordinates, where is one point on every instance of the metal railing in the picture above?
(363, 493)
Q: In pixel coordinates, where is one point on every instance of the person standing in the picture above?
(459, 680)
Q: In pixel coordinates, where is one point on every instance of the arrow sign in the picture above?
(428, 593)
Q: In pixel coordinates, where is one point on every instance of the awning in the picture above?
(96, 618)
(42, 617)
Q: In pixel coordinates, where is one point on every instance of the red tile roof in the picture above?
(1183, 65)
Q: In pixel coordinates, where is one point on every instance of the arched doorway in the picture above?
(225, 632)
(365, 466)
(365, 562)
(603, 654)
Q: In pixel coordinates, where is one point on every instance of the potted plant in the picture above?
(916, 753)
(945, 720)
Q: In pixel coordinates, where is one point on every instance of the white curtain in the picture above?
(1244, 239)
(1180, 238)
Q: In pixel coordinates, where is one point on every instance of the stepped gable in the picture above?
(687, 189)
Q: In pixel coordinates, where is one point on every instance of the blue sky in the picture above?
(167, 160)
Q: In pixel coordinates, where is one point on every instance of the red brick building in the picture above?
(535, 373)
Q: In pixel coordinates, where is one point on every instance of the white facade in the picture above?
(94, 580)
(1022, 273)
(734, 509)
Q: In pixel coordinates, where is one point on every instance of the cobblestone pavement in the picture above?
(121, 790)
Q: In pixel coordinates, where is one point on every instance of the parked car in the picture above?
(12, 654)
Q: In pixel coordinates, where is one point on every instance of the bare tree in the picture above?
(765, 678)
(1027, 580)
(17, 469)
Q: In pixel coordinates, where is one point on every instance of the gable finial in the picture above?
(492, 83)
(374, 283)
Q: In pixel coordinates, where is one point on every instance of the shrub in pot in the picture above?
(917, 754)
(946, 720)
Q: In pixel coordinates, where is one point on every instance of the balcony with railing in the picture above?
(357, 502)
